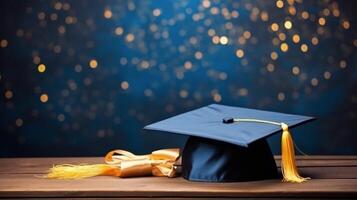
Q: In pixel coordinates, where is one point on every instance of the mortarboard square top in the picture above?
(207, 122)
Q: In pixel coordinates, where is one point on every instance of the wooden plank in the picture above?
(334, 177)
(28, 186)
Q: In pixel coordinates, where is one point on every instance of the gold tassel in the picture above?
(288, 165)
(67, 171)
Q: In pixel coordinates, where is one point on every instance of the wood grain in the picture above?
(333, 177)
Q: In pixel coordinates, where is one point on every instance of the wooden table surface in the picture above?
(332, 177)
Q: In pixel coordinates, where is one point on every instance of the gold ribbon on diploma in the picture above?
(122, 163)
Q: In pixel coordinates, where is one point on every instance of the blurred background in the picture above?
(79, 78)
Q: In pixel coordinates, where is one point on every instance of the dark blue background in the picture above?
(89, 112)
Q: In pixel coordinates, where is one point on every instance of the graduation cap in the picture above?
(229, 144)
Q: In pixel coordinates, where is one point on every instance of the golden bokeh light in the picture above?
(270, 67)
(130, 37)
(322, 21)
(44, 98)
(281, 96)
(156, 12)
(239, 53)
(279, 4)
(223, 40)
(346, 24)
(296, 70)
(119, 31)
(288, 24)
(8, 94)
(108, 13)
(93, 64)
(274, 27)
(284, 47)
(304, 48)
(296, 38)
(217, 97)
(4, 43)
(124, 85)
(274, 55)
(41, 68)
(314, 40)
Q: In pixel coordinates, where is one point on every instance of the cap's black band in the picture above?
(228, 120)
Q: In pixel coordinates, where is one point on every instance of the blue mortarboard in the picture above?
(228, 143)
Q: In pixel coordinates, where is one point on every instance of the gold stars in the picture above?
(130, 37)
(119, 31)
(296, 70)
(346, 24)
(41, 68)
(8, 94)
(304, 48)
(4, 43)
(19, 122)
(284, 47)
(274, 55)
(44, 98)
(108, 13)
(124, 85)
(296, 38)
(156, 12)
(93, 64)
(279, 4)
(288, 24)
(274, 27)
(240, 53)
(223, 40)
(322, 21)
